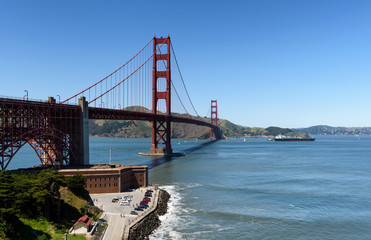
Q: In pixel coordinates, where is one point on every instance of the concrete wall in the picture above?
(79, 229)
(84, 123)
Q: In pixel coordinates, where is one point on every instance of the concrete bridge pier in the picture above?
(84, 133)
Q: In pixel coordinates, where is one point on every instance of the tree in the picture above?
(76, 184)
(7, 207)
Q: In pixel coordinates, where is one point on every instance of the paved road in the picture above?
(115, 229)
(116, 215)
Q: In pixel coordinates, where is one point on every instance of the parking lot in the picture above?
(104, 201)
(117, 215)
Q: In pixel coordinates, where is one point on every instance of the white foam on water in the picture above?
(225, 229)
(176, 218)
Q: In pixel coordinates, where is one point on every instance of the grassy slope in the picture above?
(73, 207)
(41, 225)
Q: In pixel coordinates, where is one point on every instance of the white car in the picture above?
(124, 203)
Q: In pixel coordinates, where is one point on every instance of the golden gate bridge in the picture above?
(140, 89)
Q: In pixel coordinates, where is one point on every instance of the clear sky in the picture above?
(287, 63)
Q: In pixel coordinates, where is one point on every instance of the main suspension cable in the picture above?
(181, 76)
(127, 76)
(108, 75)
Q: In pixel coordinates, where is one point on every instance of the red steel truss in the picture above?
(52, 130)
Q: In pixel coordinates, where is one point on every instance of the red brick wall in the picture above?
(108, 180)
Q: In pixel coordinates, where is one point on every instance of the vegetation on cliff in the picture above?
(41, 206)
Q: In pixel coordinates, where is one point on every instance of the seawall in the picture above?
(143, 228)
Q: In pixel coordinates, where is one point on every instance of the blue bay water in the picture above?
(254, 189)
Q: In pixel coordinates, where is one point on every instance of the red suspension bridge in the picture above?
(141, 89)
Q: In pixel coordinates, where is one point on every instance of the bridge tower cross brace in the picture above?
(161, 130)
(214, 117)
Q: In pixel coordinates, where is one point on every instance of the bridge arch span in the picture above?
(51, 146)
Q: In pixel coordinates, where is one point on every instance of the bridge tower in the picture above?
(161, 130)
(214, 117)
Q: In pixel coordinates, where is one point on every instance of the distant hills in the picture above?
(134, 128)
(328, 130)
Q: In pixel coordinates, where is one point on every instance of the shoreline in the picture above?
(122, 224)
(145, 226)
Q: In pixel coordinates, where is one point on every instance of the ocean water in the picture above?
(253, 189)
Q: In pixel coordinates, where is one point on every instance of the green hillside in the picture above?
(42, 205)
(134, 128)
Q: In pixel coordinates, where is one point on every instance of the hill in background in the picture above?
(134, 128)
(140, 129)
(327, 130)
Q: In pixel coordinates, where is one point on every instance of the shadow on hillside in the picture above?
(69, 214)
(18, 230)
(157, 161)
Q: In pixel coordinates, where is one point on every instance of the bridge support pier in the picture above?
(161, 130)
(214, 119)
(84, 133)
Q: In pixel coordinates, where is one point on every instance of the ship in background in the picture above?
(281, 138)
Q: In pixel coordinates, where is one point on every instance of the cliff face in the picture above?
(144, 228)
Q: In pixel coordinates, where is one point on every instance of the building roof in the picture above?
(84, 220)
(100, 167)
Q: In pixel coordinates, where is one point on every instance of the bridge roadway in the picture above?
(60, 131)
(114, 114)
(37, 109)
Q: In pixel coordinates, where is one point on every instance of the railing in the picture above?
(22, 99)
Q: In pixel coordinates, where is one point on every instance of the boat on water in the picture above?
(281, 138)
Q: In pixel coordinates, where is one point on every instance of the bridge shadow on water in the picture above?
(157, 161)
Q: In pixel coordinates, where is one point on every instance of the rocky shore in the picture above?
(148, 224)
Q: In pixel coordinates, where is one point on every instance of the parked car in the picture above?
(118, 197)
(133, 213)
(115, 200)
(148, 195)
(138, 209)
(147, 199)
(124, 203)
(143, 205)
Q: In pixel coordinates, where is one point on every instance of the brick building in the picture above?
(110, 178)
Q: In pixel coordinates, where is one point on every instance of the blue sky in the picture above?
(268, 63)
